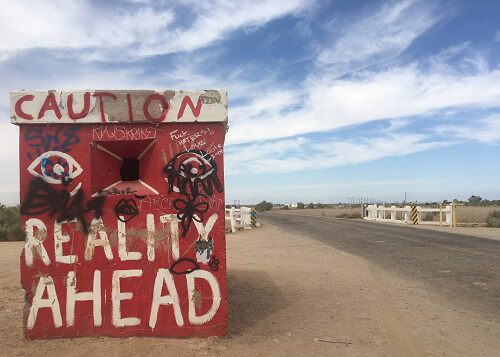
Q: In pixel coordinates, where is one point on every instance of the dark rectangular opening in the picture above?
(129, 171)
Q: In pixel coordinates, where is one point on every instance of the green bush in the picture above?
(310, 205)
(264, 206)
(10, 224)
(493, 219)
(300, 205)
(429, 216)
(285, 207)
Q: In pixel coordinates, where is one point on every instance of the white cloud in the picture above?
(109, 33)
(328, 104)
(485, 130)
(379, 36)
(71, 24)
(299, 154)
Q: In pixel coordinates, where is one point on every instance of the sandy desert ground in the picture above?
(288, 296)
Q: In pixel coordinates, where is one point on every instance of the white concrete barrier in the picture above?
(378, 213)
(239, 218)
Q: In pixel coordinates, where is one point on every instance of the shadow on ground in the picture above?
(253, 296)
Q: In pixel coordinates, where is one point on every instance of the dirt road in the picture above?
(289, 295)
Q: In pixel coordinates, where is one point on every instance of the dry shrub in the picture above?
(340, 212)
(493, 219)
(352, 215)
(474, 214)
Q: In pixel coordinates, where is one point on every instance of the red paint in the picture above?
(164, 105)
(101, 95)
(130, 112)
(85, 110)
(187, 101)
(101, 170)
(50, 104)
(19, 109)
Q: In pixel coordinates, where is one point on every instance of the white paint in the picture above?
(122, 243)
(164, 276)
(74, 168)
(45, 283)
(172, 220)
(147, 186)
(214, 285)
(34, 242)
(108, 152)
(117, 296)
(150, 223)
(204, 231)
(146, 149)
(72, 193)
(59, 239)
(58, 169)
(97, 229)
(72, 296)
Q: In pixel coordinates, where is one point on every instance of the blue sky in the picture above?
(327, 99)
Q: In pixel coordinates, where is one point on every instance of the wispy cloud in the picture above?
(497, 36)
(108, 33)
(299, 154)
(380, 36)
(327, 104)
(485, 130)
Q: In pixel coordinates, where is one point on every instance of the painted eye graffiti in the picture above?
(193, 167)
(55, 167)
(125, 210)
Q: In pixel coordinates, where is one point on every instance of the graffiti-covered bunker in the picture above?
(122, 200)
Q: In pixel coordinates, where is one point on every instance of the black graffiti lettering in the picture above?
(115, 191)
(42, 198)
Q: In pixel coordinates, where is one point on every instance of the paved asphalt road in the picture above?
(464, 269)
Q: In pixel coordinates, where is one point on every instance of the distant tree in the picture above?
(264, 206)
(320, 205)
(285, 207)
(10, 224)
(310, 205)
(475, 200)
(301, 205)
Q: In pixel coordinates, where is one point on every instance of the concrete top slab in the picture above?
(117, 106)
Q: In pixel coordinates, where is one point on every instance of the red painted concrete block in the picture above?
(124, 218)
